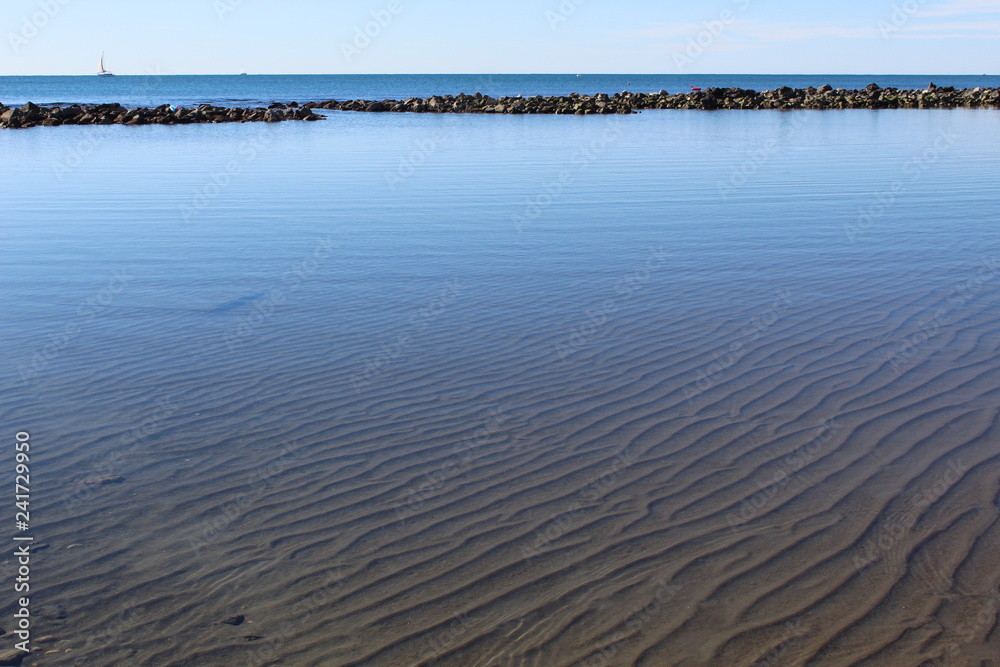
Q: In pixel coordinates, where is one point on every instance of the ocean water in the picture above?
(251, 90)
(410, 388)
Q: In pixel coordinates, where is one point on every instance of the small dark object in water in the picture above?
(105, 480)
(52, 612)
(235, 620)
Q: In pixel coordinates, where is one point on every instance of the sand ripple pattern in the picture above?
(771, 452)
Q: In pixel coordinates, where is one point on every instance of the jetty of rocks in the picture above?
(711, 99)
(31, 115)
(825, 97)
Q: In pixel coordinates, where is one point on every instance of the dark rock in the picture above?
(11, 118)
(252, 638)
(235, 620)
(31, 111)
(67, 112)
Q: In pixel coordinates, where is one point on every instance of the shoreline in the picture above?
(710, 99)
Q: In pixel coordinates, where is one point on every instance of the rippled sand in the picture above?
(672, 445)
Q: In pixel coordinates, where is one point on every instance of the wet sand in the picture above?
(758, 449)
(810, 504)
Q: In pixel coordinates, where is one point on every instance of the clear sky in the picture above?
(514, 36)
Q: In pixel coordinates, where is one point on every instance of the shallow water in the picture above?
(671, 388)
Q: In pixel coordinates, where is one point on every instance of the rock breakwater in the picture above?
(31, 115)
(710, 99)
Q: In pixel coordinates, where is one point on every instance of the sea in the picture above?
(677, 387)
(155, 89)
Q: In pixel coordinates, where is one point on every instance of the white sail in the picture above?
(102, 71)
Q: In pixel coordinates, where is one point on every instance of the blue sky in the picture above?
(445, 36)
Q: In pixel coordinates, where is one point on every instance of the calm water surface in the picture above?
(370, 286)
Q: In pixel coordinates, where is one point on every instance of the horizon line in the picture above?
(228, 73)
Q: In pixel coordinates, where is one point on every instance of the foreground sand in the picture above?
(810, 504)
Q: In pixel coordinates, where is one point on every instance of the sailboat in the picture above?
(243, 71)
(102, 71)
